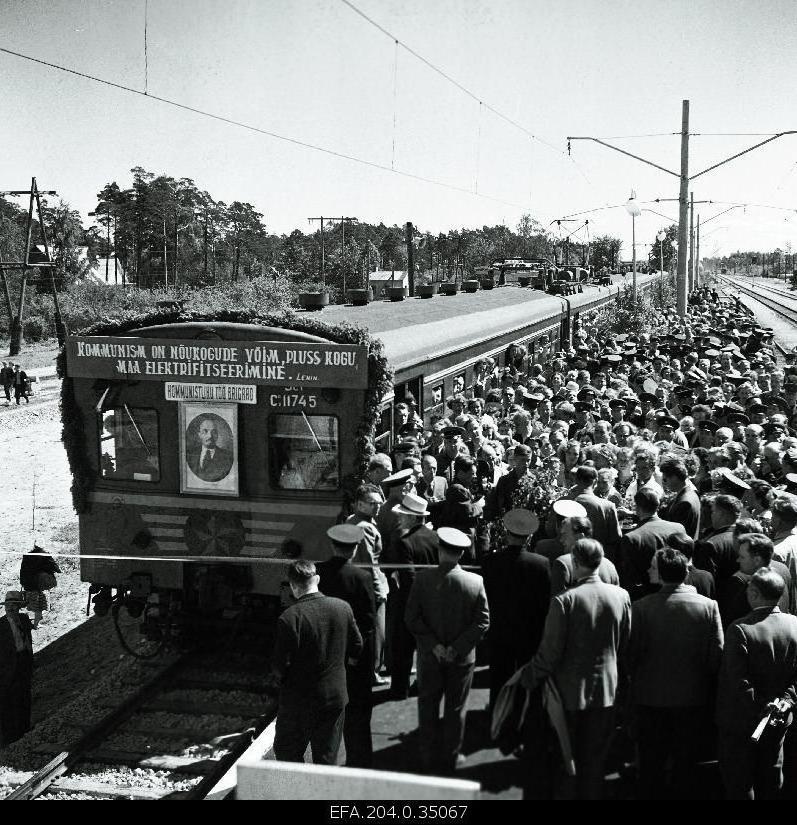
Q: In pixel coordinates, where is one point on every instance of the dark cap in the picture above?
(346, 533)
(668, 421)
(738, 418)
(397, 478)
(710, 426)
(521, 522)
(453, 432)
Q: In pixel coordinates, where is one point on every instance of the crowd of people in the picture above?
(629, 510)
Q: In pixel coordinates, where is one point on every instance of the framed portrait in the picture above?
(208, 448)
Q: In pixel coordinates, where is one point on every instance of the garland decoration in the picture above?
(380, 378)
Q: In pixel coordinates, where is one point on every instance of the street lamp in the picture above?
(632, 207)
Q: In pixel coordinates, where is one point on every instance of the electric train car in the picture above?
(225, 441)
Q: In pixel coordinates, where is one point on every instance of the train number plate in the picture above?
(292, 400)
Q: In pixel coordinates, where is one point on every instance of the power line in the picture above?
(146, 56)
(428, 63)
(231, 122)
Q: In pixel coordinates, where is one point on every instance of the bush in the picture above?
(35, 328)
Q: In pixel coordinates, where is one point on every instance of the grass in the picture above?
(33, 355)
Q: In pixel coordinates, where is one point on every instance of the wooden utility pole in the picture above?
(410, 258)
(323, 262)
(683, 205)
(343, 222)
(697, 254)
(691, 285)
(24, 265)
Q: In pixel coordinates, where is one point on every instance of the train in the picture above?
(207, 452)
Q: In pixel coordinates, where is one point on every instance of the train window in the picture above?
(305, 452)
(459, 384)
(128, 442)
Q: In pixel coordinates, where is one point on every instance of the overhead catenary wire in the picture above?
(428, 63)
(268, 133)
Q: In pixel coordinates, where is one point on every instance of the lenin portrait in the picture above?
(209, 447)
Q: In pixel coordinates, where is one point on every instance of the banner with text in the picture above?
(268, 363)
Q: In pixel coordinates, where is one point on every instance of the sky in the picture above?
(316, 72)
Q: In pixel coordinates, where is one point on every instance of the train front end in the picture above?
(205, 457)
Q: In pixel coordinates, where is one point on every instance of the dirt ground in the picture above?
(37, 506)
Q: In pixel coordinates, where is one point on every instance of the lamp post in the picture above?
(660, 236)
(632, 207)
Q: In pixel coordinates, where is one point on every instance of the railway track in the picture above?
(190, 719)
(761, 284)
(771, 303)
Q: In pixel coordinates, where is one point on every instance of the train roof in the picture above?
(417, 329)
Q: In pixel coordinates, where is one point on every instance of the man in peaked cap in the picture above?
(518, 585)
(16, 669)
(418, 545)
(453, 447)
(340, 578)
(447, 613)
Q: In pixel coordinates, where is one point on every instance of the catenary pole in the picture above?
(682, 211)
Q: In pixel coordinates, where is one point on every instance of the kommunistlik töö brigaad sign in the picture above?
(269, 363)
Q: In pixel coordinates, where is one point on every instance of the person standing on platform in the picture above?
(518, 586)
(418, 544)
(447, 613)
(367, 502)
(317, 637)
(674, 655)
(685, 506)
(586, 635)
(340, 578)
(759, 668)
(16, 670)
(7, 379)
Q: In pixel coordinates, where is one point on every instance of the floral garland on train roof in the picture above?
(380, 381)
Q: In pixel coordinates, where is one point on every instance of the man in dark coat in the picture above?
(674, 655)
(6, 379)
(447, 613)
(418, 544)
(316, 638)
(16, 670)
(585, 636)
(685, 507)
(638, 546)
(19, 379)
(354, 585)
(518, 585)
(701, 580)
(501, 498)
(759, 668)
(602, 513)
(716, 552)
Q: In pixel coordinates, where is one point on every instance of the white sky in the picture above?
(315, 71)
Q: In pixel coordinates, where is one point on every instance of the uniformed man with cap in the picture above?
(518, 585)
(354, 585)
(453, 447)
(16, 669)
(447, 613)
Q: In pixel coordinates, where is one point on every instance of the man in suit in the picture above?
(209, 462)
(19, 380)
(6, 379)
(759, 668)
(500, 500)
(16, 670)
(701, 580)
(418, 544)
(586, 634)
(447, 613)
(367, 501)
(638, 546)
(674, 655)
(601, 512)
(340, 578)
(316, 638)
(685, 507)
(753, 551)
(716, 552)
(563, 575)
(431, 486)
(518, 586)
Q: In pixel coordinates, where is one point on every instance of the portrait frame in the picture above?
(221, 477)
